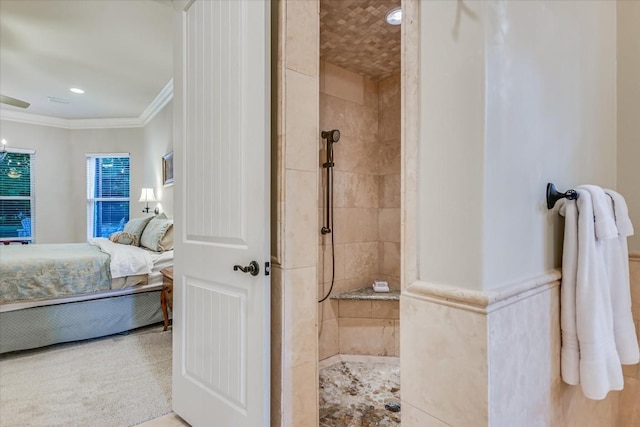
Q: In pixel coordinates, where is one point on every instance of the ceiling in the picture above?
(119, 52)
(355, 35)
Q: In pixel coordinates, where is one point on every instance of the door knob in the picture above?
(253, 268)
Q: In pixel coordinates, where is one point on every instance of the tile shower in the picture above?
(366, 233)
(366, 212)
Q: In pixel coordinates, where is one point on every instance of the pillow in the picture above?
(136, 226)
(124, 238)
(158, 234)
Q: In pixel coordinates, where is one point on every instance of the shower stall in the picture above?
(359, 179)
(359, 208)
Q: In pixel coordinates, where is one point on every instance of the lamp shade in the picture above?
(147, 195)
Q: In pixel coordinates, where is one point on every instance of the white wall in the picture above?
(514, 95)
(60, 169)
(53, 178)
(158, 141)
(103, 141)
(550, 117)
(451, 144)
(629, 111)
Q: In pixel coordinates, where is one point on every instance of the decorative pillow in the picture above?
(158, 234)
(136, 227)
(124, 238)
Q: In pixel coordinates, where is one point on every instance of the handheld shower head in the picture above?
(332, 136)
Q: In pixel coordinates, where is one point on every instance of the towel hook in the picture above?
(553, 195)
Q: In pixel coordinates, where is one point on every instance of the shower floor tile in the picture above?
(355, 389)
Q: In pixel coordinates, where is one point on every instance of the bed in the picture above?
(54, 293)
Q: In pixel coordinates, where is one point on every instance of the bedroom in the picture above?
(532, 193)
(126, 108)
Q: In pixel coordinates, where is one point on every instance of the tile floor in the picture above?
(355, 389)
(353, 393)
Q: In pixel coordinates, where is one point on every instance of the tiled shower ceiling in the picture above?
(354, 35)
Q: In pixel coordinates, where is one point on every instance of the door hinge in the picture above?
(267, 269)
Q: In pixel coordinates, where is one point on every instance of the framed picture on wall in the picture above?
(167, 169)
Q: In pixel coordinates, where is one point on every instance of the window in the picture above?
(17, 206)
(107, 193)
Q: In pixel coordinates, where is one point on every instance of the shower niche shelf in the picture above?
(367, 293)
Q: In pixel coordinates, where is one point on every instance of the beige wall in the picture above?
(294, 304)
(629, 111)
(158, 141)
(389, 133)
(60, 169)
(629, 409)
(512, 95)
(533, 102)
(550, 117)
(366, 202)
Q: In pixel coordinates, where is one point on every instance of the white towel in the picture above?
(570, 349)
(605, 224)
(599, 365)
(621, 213)
(617, 261)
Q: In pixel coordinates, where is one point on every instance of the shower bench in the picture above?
(369, 322)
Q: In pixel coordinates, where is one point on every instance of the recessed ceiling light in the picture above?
(76, 90)
(394, 16)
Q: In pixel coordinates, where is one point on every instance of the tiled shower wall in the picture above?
(366, 191)
(389, 131)
(629, 409)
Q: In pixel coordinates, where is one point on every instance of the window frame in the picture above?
(91, 200)
(32, 196)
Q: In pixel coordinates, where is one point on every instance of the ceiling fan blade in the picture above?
(12, 101)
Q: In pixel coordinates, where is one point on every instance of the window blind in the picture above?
(17, 204)
(108, 184)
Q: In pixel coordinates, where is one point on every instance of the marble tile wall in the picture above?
(348, 102)
(389, 133)
(629, 404)
(294, 329)
(366, 191)
(495, 364)
(369, 327)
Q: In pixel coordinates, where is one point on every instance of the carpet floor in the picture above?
(116, 381)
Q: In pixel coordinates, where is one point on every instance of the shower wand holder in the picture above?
(325, 230)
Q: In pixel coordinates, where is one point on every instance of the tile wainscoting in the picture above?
(494, 359)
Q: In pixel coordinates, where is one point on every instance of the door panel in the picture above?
(221, 145)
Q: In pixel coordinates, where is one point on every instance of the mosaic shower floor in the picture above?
(355, 389)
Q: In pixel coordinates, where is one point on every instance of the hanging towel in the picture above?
(569, 350)
(599, 365)
(605, 224)
(621, 213)
(617, 260)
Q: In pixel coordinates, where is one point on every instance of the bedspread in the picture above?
(30, 272)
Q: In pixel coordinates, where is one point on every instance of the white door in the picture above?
(221, 154)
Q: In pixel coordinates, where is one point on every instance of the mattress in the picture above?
(118, 287)
(53, 270)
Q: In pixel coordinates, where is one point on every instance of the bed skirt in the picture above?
(41, 326)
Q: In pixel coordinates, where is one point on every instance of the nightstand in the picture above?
(166, 296)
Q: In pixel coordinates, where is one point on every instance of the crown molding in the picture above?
(158, 103)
